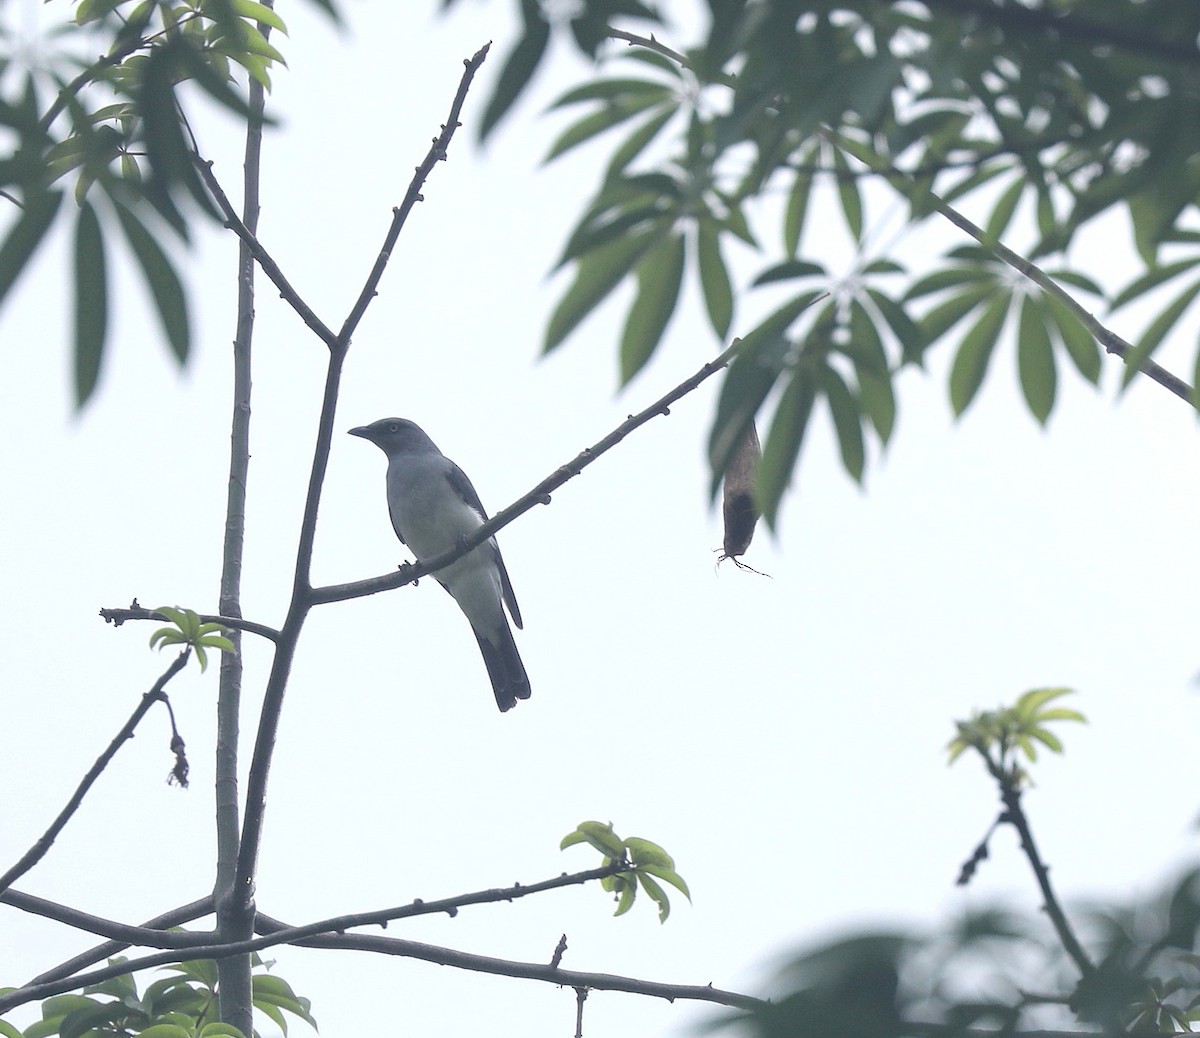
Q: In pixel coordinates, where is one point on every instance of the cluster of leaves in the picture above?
(647, 863)
(116, 126)
(189, 630)
(1073, 109)
(181, 1006)
(1002, 736)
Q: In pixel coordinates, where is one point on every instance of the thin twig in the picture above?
(269, 266)
(539, 495)
(650, 43)
(436, 154)
(116, 617)
(35, 853)
(1014, 814)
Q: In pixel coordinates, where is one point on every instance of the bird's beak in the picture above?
(362, 431)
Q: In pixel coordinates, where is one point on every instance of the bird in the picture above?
(433, 507)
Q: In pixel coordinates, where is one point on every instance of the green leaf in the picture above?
(797, 205)
(597, 274)
(657, 895)
(945, 315)
(1002, 214)
(601, 836)
(625, 899)
(659, 276)
(847, 421)
(974, 352)
(91, 303)
(782, 446)
(518, 69)
(947, 277)
(165, 1031)
(636, 142)
(1157, 330)
(645, 852)
(750, 377)
(27, 233)
(596, 123)
(612, 90)
(220, 1030)
(714, 276)
(1035, 358)
(669, 875)
(906, 331)
(1080, 344)
(793, 268)
(164, 284)
(1152, 278)
(848, 193)
(259, 13)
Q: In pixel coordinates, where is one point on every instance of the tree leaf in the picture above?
(659, 276)
(595, 123)
(518, 69)
(1035, 358)
(1151, 279)
(782, 446)
(27, 233)
(1080, 344)
(164, 284)
(597, 274)
(714, 276)
(91, 303)
(636, 142)
(797, 206)
(1002, 213)
(1157, 330)
(974, 352)
(847, 421)
(849, 194)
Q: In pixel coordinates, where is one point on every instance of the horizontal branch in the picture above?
(532, 970)
(122, 935)
(197, 948)
(101, 952)
(116, 617)
(539, 495)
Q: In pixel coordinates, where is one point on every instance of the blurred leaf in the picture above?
(636, 142)
(162, 280)
(782, 446)
(1080, 345)
(1157, 330)
(26, 234)
(596, 123)
(974, 352)
(847, 421)
(1035, 358)
(518, 69)
(91, 303)
(751, 375)
(659, 276)
(848, 192)
(714, 276)
(1151, 279)
(797, 206)
(597, 274)
(793, 268)
(1002, 213)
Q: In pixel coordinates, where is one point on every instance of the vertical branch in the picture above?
(233, 920)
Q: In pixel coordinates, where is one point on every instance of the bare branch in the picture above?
(121, 935)
(539, 495)
(436, 154)
(116, 617)
(39, 849)
(251, 243)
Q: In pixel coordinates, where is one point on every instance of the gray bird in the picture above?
(433, 508)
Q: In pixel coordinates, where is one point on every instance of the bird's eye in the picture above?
(393, 427)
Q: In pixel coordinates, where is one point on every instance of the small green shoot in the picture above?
(647, 863)
(190, 631)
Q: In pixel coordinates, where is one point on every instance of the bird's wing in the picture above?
(463, 487)
(395, 525)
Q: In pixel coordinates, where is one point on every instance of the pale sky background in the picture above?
(783, 738)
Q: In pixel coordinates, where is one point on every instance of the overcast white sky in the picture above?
(782, 737)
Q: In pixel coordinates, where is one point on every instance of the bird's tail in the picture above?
(504, 667)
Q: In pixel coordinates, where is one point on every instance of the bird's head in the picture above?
(395, 436)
